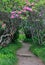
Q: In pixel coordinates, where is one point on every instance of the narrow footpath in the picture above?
(26, 57)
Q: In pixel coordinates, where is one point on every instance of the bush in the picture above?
(8, 5)
(1, 31)
(38, 51)
(28, 34)
(15, 36)
(26, 28)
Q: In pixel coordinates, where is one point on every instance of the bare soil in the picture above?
(26, 57)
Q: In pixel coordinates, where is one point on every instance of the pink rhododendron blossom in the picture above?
(12, 16)
(19, 12)
(27, 8)
(16, 15)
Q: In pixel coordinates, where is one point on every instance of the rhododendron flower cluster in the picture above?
(19, 12)
(16, 14)
(27, 8)
(12, 14)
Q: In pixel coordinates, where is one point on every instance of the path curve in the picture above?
(26, 57)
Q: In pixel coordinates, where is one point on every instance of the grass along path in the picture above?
(8, 54)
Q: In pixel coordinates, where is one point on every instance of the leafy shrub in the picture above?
(28, 34)
(8, 5)
(16, 36)
(1, 31)
(28, 12)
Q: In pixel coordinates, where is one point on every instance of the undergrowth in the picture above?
(8, 54)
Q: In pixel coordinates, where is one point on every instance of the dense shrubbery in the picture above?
(34, 22)
(38, 51)
(16, 36)
(8, 28)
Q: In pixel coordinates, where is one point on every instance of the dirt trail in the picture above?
(26, 57)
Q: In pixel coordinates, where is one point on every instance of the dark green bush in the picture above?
(15, 36)
(26, 28)
(1, 31)
(28, 33)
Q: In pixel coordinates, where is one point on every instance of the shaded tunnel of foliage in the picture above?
(32, 22)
